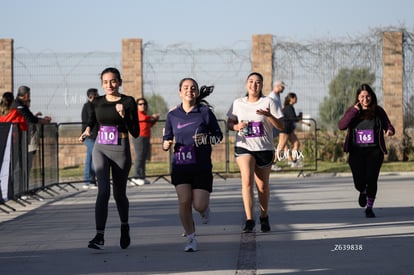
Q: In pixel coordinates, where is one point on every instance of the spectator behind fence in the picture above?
(116, 114)
(366, 122)
(253, 117)
(142, 145)
(194, 127)
(9, 114)
(22, 104)
(89, 175)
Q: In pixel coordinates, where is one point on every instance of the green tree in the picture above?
(157, 104)
(342, 94)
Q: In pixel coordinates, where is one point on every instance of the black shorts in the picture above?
(263, 158)
(201, 180)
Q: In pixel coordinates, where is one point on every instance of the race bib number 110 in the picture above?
(108, 135)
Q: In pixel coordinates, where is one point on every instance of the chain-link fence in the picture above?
(59, 80)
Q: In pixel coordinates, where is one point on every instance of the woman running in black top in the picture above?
(116, 114)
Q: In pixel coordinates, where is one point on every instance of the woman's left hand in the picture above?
(265, 112)
(389, 133)
(120, 109)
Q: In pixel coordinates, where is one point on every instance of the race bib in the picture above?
(108, 135)
(365, 136)
(185, 155)
(255, 129)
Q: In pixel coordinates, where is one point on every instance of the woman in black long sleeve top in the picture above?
(288, 132)
(116, 114)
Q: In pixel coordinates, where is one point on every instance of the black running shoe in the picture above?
(97, 242)
(125, 239)
(369, 213)
(264, 224)
(362, 200)
(249, 226)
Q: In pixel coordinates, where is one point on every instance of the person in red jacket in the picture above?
(9, 114)
(366, 123)
(142, 144)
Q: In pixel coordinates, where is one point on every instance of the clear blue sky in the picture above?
(99, 25)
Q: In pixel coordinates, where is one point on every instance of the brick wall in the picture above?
(392, 84)
(262, 59)
(132, 67)
(6, 65)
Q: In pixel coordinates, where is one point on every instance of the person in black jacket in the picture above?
(89, 171)
(117, 117)
(22, 104)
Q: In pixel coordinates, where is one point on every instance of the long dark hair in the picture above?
(372, 107)
(288, 97)
(5, 103)
(145, 102)
(259, 75)
(204, 91)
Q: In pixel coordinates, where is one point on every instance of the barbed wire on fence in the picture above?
(59, 80)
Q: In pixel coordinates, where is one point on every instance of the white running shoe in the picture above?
(191, 245)
(132, 182)
(90, 186)
(205, 216)
(276, 168)
(139, 182)
(297, 164)
(185, 234)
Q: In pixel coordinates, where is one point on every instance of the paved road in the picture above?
(317, 228)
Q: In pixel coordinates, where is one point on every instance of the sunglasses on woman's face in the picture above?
(142, 103)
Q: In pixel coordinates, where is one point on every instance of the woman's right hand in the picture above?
(85, 134)
(358, 106)
(166, 145)
(240, 126)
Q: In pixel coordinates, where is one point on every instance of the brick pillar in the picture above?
(6, 65)
(262, 59)
(392, 84)
(132, 67)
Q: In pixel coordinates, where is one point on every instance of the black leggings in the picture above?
(365, 165)
(115, 158)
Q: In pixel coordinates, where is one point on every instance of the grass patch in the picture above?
(161, 168)
(343, 167)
